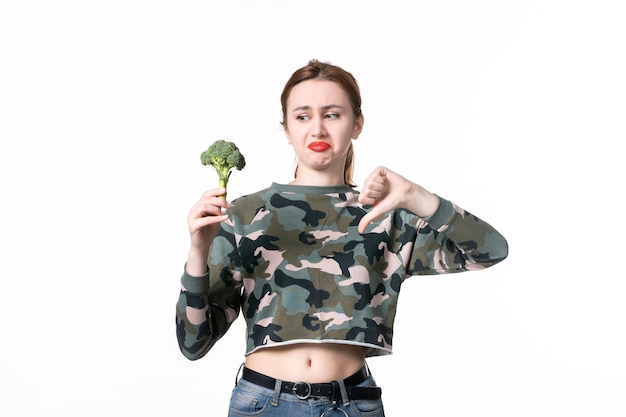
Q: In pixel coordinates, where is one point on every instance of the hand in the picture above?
(203, 222)
(385, 190)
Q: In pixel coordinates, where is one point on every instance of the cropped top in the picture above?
(291, 261)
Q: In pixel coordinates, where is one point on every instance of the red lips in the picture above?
(318, 146)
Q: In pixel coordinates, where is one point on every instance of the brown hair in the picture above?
(326, 71)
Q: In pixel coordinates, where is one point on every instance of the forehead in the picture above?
(317, 92)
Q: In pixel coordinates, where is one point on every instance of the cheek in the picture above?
(293, 134)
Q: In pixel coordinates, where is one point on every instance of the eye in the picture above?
(302, 117)
(331, 116)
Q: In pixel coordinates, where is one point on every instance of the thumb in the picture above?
(367, 219)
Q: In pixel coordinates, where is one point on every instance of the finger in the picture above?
(376, 182)
(367, 219)
(202, 222)
(363, 224)
(378, 176)
(209, 205)
(204, 209)
(367, 200)
(196, 225)
(215, 192)
(372, 194)
(215, 207)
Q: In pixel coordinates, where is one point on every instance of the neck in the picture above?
(298, 181)
(318, 178)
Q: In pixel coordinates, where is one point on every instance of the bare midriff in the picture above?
(307, 361)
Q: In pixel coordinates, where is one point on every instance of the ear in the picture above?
(287, 136)
(358, 127)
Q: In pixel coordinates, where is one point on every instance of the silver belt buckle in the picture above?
(296, 390)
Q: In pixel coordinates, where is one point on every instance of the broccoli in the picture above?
(223, 156)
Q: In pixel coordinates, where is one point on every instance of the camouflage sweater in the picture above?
(291, 260)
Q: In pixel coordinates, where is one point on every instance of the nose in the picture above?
(319, 129)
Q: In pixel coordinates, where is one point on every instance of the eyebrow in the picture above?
(324, 108)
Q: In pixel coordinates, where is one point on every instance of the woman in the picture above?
(315, 266)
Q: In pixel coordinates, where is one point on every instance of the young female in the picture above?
(315, 266)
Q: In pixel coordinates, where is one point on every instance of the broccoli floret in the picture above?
(223, 156)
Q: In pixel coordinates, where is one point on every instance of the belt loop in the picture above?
(344, 393)
(278, 388)
(238, 372)
(335, 392)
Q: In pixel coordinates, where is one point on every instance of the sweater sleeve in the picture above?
(209, 304)
(454, 240)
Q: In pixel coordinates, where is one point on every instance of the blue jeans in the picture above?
(250, 400)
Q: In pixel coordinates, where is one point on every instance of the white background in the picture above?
(513, 110)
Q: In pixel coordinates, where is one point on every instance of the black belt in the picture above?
(304, 390)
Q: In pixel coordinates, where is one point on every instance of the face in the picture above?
(320, 125)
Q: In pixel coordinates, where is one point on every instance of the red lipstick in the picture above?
(318, 146)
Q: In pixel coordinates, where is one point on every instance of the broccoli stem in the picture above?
(222, 184)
